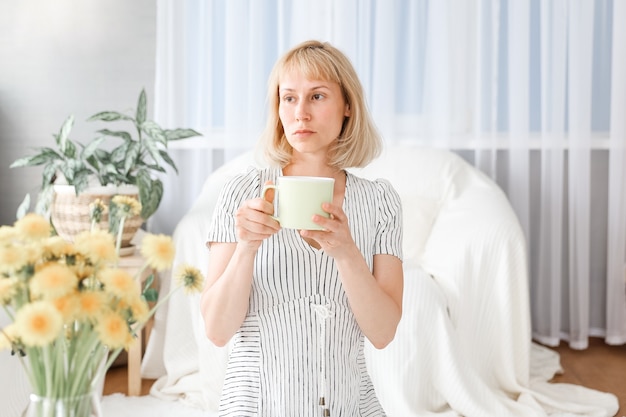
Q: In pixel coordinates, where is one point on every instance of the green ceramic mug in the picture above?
(298, 198)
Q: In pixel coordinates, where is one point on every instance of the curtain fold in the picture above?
(616, 264)
(547, 297)
(579, 169)
(518, 61)
(516, 88)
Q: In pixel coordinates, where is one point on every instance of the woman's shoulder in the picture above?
(379, 186)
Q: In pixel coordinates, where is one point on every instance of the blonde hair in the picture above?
(359, 142)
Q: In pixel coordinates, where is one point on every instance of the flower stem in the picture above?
(120, 231)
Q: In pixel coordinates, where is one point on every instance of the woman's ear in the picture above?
(347, 113)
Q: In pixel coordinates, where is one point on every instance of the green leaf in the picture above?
(44, 156)
(169, 160)
(155, 167)
(28, 161)
(151, 295)
(131, 157)
(109, 116)
(109, 168)
(48, 174)
(44, 198)
(23, 207)
(119, 154)
(150, 193)
(70, 149)
(64, 133)
(81, 181)
(68, 171)
(102, 155)
(150, 145)
(177, 134)
(120, 134)
(91, 147)
(148, 282)
(93, 162)
(141, 108)
(154, 131)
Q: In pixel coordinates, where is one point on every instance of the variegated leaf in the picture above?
(109, 116)
(177, 134)
(141, 108)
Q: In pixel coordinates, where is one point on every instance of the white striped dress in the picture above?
(288, 353)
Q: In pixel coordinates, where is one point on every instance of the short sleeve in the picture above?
(238, 189)
(389, 220)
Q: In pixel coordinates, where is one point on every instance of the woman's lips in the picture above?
(303, 132)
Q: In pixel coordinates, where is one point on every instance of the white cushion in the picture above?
(423, 178)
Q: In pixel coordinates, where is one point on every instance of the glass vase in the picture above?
(78, 406)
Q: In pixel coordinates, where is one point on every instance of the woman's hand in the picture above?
(336, 239)
(254, 222)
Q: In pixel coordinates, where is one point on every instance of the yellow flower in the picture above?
(139, 309)
(7, 234)
(91, 304)
(82, 268)
(119, 283)
(33, 226)
(56, 247)
(190, 278)
(158, 251)
(7, 290)
(97, 245)
(97, 208)
(127, 204)
(38, 323)
(67, 306)
(12, 258)
(7, 337)
(33, 252)
(113, 331)
(53, 280)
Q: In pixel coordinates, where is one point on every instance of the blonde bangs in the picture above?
(313, 63)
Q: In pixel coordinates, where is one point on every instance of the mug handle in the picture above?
(266, 188)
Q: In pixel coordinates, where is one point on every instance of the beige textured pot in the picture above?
(69, 212)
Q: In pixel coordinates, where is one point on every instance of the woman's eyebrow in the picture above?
(317, 87)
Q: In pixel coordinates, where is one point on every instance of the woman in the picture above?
(299, 303)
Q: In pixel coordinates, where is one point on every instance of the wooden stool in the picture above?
(132, 264)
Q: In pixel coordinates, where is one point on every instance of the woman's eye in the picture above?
(287, 99)
(317, 96)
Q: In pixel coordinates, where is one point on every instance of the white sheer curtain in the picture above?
(533, 93)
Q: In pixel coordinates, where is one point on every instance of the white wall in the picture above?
(66, 57)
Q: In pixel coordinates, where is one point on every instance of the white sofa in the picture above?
(463, 347)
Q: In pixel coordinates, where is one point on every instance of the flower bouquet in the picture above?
(72, 310)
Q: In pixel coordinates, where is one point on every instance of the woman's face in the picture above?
(311, 112)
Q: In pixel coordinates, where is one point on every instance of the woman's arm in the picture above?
(375, 297)
(225, 299)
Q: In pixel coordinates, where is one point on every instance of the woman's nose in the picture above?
(302, 111)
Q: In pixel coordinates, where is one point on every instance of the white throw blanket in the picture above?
(463, 346)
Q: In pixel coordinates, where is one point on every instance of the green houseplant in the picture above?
(131, 162)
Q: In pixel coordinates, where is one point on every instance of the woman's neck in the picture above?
(312, 167)
(312, 170)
